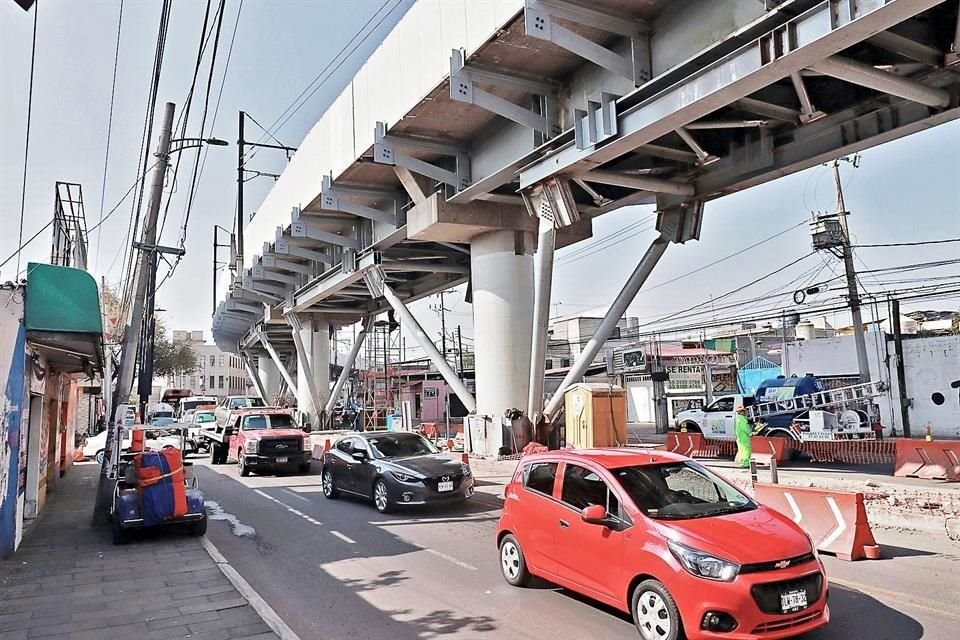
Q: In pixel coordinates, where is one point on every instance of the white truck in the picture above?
(801, 408)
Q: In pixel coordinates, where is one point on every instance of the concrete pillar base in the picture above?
(315, 335)
(502, 268)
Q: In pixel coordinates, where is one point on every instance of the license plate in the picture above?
(281, 460)
(791, 601)
(445, 486)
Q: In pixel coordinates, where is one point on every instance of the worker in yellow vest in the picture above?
(742, 431)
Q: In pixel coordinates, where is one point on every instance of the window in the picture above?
(539, 476)
(213, 361)
(251, 423)
(583, 487)
(345, 445)
(220, 380)
(211, 380)
(680, 490)
(221, 360)
(400, 445)
(615, 334)
(723, 404)
(282, 421)
(564, 363)
(548, 364)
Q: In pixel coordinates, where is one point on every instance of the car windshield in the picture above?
(252, 423)
(680, 490)
(282, 421)
(163, 414)
(204, 417)
(401, 445)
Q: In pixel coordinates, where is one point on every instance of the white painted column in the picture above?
(269, 376)
(315, 334)
(503, 327)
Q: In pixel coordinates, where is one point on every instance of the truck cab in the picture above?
(268, 439)
(716, 420)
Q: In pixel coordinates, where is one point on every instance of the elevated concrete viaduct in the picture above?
(483, 134)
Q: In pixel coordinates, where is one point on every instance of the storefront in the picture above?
(51, 340)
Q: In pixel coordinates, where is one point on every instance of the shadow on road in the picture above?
(889, 552)
(857, 616)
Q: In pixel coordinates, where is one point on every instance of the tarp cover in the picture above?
(162, 492)
(61, 299)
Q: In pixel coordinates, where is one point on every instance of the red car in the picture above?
(268, 440)
(658, 536)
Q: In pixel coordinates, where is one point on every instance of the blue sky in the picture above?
(905, 190)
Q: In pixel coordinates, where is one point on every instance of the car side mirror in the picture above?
(359, 456)
(595, 514)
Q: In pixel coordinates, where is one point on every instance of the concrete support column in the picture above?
(315, 336)
(502, 272)
(269, 376)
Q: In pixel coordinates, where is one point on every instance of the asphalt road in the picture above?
(338, 569)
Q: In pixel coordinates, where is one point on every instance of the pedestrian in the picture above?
(742, 430)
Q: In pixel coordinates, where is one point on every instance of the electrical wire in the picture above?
(26, 143)
(106, 154)
(284, 117)
(906, 244)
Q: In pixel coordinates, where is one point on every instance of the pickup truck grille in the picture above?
(279, 446)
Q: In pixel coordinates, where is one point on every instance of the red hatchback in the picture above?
(661, 537)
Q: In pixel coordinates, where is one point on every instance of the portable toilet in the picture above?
(596, 415)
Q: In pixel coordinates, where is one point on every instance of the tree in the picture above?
(171, 358)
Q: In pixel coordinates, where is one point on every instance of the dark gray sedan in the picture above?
(394, 468)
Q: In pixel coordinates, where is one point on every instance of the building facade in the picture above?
(217, 374)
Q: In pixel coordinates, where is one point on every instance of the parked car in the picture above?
(394, 468)
(231, 403)
(658, 536)
(260, 439)
(195, 422)
(95, 446)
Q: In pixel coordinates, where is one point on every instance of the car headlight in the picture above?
(252, 446)
(404, 477)
(306, 444)
(704, 565)
(465, 470)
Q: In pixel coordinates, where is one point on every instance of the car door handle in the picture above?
(564, 524)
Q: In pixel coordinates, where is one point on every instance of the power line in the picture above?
(906, 244)
(281, 119)
(26, 144)
(106, 154)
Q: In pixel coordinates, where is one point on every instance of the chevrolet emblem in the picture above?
(281, 446)
(783, 564)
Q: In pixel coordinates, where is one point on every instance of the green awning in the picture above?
(62, 316)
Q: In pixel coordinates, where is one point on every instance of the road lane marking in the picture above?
(297, 495)
(263, 609)
(295, 512)
(459, 563)
(343, 537)
(896, 595)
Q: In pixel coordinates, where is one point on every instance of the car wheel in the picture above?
(199, 527)
(242, 464)
(119, 534)
(99, 457)
(329, 488)
(512, 563)
(381, 498)
(655, 612)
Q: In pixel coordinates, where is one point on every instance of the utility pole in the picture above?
(460, 349)
(862, 364)
(145, 262)
(443, 325)
(902, 400)
(241, 146)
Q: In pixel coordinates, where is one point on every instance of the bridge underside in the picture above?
(562, 112)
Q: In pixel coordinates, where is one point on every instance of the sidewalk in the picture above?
(68, 581)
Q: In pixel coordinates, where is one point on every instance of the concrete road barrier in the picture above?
(835, 520)
(778, 448)
(933, 460)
